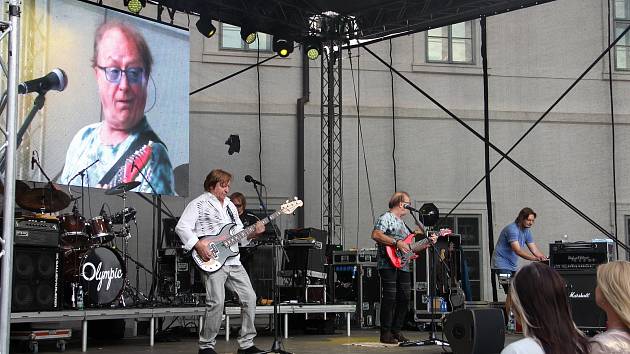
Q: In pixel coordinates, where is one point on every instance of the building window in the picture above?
(622, 21)
(451, 44)
(469, 227)
(231, 39)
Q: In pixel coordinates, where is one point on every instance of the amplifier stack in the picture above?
(577, 263)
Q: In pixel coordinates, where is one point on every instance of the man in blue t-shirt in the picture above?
(511, 245)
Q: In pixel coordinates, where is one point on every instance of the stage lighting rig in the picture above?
(248, 34)
(205, 26)
(312, 47)
(282, 46)
(135, 6)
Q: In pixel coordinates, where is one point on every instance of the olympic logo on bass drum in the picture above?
(98, 274)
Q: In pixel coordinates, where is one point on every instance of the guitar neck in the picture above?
(246, 232)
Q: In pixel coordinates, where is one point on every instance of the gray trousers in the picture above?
(235, 278)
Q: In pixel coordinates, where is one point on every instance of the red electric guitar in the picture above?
(400, 259)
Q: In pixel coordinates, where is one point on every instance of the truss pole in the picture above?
(331, 153)
(9, 180)
(486, 131)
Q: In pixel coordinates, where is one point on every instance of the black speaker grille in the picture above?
(35, 280)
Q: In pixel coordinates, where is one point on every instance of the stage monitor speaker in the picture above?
(478, 331)
(35, 279)
(581, 292)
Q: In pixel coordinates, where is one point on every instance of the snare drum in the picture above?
(73, 231)
(100, 230)
(99, 270)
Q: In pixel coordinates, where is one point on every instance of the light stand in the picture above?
(276, 347)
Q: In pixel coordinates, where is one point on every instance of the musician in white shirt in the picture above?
(207, 215)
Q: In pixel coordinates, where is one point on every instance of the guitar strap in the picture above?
(231, 214)
(142, 139)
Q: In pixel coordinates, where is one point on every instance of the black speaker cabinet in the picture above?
(581, 292)
(35, 279)
(478, 331)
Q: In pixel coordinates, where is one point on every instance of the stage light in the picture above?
(248, 34)
(205, 27)
(312, 47)
(282, 46)
(135, 6)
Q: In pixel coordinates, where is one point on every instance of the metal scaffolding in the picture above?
(332, 174)
(13, 28)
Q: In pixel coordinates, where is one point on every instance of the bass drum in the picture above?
(99, 270)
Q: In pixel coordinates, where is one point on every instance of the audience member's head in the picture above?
(539, 301)
(613, 290)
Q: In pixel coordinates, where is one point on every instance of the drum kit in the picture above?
(94, 269)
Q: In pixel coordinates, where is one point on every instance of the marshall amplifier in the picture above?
(581, 293)
(580, 255)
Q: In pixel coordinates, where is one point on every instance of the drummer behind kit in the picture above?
(94, 270)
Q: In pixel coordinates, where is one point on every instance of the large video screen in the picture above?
(123, 115)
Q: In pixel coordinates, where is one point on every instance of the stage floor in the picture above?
(299, 344)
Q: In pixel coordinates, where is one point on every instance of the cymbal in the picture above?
(123, 187)
(43, 199)
(20, 187)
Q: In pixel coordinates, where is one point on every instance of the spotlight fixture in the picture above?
(282, 46)
(205, 26)
(248, 34)
(313, 47)
(135, 6)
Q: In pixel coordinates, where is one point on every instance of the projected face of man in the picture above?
(122, 101)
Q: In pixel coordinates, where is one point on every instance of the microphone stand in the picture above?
(276, 347)
(38, 104)
(155, 232)
(433, 340)
(82, 174)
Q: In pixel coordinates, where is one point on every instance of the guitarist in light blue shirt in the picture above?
(207, 215)
(390, 230)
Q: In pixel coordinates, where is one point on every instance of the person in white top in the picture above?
(612, 294)
(539, 301)
(204, 216)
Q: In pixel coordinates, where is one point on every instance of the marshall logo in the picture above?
(98, 274)
(576, 295)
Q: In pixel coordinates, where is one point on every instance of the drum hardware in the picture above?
(122, 188)
(82, 174)
(124, 216)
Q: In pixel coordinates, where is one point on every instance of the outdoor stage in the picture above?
(84, 316)
(364, 341)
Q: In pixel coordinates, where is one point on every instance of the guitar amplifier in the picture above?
(36, 232)
(580, 255)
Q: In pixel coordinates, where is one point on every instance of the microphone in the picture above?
(55, 80)
(409, 207)
(251, 179)
(33, 160)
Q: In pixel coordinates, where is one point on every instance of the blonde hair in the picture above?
(613, 280)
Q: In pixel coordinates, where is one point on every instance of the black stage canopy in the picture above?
(345, 19)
